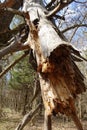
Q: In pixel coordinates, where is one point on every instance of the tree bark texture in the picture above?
(47, 122)
(60, 79)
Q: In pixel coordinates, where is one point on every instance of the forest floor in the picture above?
(10, 120)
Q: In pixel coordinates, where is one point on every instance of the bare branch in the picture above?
(12, 64)
(8, 34)
(27, 118)
(74, 26)
(10, 3)
(14, 11)
(58, 8)
(7, 3)
(14, 47)
(80, 2)
(59, 17)
(4, 24)
(50, 3)
(54, 11)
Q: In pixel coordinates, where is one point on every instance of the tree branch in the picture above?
(59, 17)
(74, 26)
(12, 64)
(4, 24)
(50, 3)
(80, 2)
(59, 7)
(27, 118)
(10, 3)
(7, 3)
(14, 47)
(14, 11)
(54, 11)
(7, 35)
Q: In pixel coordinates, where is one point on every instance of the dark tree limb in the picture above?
(4, 24)
(7, 35)
(13, 47)
(74, 26)
(54, 11)
(14, 11)
(59, 17)
(59, 7)
(84, 2)
(50, 3)
(10, 3)
(12, 64)
(27, 118)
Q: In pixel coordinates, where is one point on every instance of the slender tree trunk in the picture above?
(25, 102)
(47, 122)
(79, 105)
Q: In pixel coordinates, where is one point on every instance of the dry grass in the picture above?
(10, 120)
(57, 124)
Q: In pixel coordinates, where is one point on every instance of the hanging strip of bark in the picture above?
(27, 118)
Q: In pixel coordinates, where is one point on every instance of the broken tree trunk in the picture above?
(60, 79)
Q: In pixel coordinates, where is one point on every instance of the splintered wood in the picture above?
(60, 78)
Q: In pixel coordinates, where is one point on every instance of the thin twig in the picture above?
(74, 26)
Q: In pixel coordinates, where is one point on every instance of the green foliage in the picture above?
(22, 75)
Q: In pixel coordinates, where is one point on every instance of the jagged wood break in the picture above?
(60, 79)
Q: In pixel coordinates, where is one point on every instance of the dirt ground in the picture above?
(57, 124)
(10, 120)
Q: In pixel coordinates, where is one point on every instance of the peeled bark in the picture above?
(60, 79)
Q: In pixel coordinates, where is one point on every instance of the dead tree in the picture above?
(60, 78)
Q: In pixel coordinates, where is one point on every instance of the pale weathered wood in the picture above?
(60, 79)
(47, 122)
